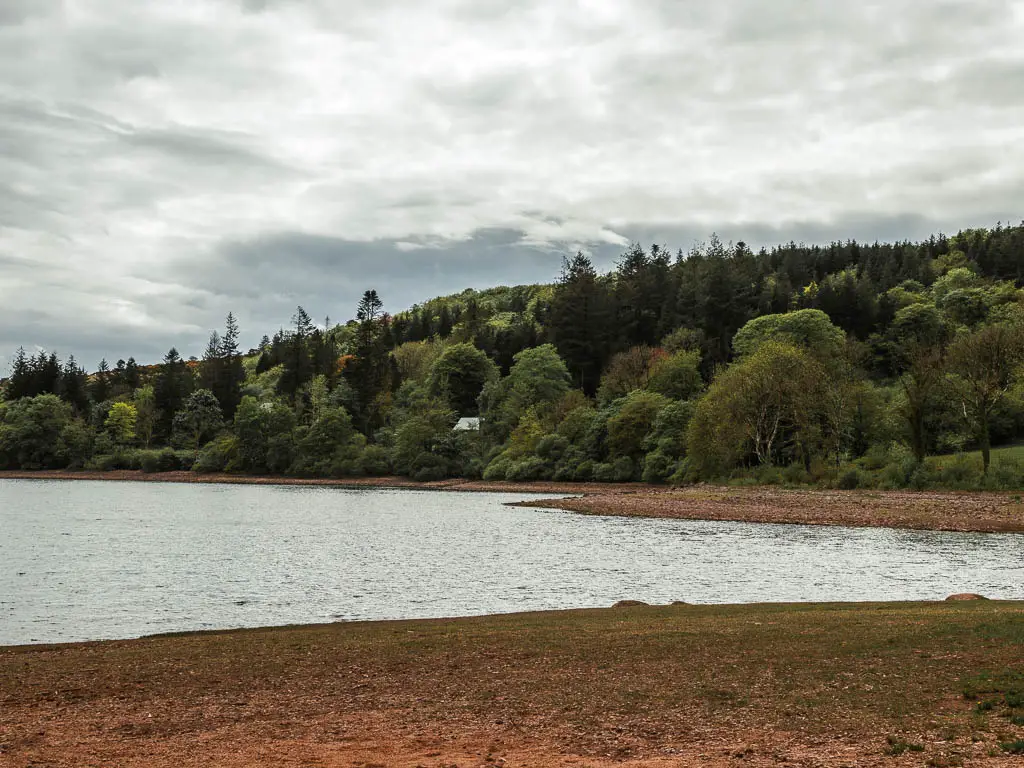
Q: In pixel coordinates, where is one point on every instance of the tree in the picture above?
(629, 427)
(146, 414)
(984, 366)
(677, 377)
(74, 386)
(30, 432)
(265, 435)
(370, 307)
(459, 375)
(581, 321)
(198, 420)
(120, 422)
(330, 446)
(767, 404)
(628, 371)
(173, 384)
(807, 328)
(101, 382)
(298, 367)
(538, 378)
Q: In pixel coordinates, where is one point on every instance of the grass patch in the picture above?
(897, 746)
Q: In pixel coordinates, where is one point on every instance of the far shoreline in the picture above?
(954, 511)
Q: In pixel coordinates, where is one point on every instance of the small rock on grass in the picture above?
(965, 596)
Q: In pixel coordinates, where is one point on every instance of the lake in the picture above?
(84, 560)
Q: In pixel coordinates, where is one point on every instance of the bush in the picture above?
(961, 474)
(426, 467)
(1005, 474)
(796, 474)
(584, 471)
(604, 473)
(767, 475)
(376, 461)
(498, 468)
(347, 466)
(530, 468)
(220, 455)
(169, 460)
(623, 470)
(876, 458)
(921, 477)
(658, 467)
(850, 479)
(149, 461)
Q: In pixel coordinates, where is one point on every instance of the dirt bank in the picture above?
(796, 685)
(925, 510)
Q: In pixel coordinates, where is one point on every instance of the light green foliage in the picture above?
(145, 414)
(964, 306)
(677, 377)
(810, 329)
(198, 420)
(538, 378)
(919, 324)
(767, 405)
(415, 359)
(458, 376)
(120, 422)
(30, 432)
(957, 279)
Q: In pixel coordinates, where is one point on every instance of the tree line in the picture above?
(848, 364)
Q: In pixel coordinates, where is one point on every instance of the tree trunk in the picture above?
(986, 444)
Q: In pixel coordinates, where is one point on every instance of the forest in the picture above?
(847, 365)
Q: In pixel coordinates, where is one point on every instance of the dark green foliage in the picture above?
(459, 375)
(846, 364)
(32, 432)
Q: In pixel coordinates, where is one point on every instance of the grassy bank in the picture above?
(848, 684)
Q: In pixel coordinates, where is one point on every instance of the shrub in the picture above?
(497, 469)
(604, 473)
(960, 474)
(426, 467)
(623, 470)
(769, 475)
(530, 468)
(796, 474)
(850, 479)
(658, 467)
(921, 477)
(1005, 474)
(376, 461)
(168, 461)
(219, 455)
(149, 461)
(347, 466)
(584, 471)
(876, 458)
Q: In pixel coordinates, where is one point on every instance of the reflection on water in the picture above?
(88, 560)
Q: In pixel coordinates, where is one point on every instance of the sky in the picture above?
(165, 161)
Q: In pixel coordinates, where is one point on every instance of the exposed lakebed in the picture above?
(83, 560)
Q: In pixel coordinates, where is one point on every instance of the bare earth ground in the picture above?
(924, 510)
(795, 685)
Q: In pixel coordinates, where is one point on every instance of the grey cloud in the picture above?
(163, 163)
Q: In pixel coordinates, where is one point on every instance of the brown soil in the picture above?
(800, 685)
(933, 511)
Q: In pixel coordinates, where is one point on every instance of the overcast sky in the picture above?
(165, 161)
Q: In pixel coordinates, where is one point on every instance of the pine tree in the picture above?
(19, 384)
(101, 382)
(174, 383)
(74, 386)
(581, 321)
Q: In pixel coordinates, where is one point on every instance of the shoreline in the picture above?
(830, 684)
(953, 511)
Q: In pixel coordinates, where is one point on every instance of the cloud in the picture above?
(162, 163)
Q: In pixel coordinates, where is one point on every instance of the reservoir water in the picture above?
(86, 560)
